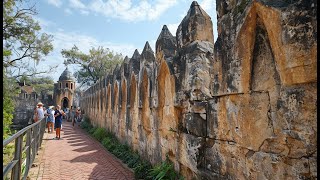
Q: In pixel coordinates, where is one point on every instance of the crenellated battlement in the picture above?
(242, 108)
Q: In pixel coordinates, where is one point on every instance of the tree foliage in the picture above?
(9, 91)
(22, 40)
(94, 65)
(22, 43)
(40, 84)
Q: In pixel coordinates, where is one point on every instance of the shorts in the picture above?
(50, 120)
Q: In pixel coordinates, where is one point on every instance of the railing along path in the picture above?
(34, 137)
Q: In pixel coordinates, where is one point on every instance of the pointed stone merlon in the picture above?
(196, 25)
(134, 63)
(147, 48)
(166, 43)
(126, 66)
(117, 73)
(147, 54)
(126, 60)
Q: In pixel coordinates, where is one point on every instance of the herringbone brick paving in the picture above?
(78, 156)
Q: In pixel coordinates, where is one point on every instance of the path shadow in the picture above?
(107, 166)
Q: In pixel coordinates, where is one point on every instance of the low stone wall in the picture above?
(242, 108)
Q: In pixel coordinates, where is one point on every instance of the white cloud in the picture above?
(122, 9)
(77, 4)
(56, 3)
(43, 22)
(84, 12)
(207, 5)
(173, 28)
(66, 40)
(125, 10)
(68, 11)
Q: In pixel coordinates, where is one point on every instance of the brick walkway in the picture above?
(78, 156)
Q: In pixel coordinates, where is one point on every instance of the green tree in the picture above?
(42, 84)
(9, 91)
(94, 65)
(22, 40)
(39, 84)
(22, 43)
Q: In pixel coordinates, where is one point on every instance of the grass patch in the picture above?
(164, 170)
(99, 133)
(142, 168)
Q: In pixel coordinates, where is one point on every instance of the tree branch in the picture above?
(23, 56)
(35, 73)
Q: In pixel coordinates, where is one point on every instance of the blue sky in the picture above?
(120, 25)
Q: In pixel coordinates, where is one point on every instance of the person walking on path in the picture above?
(66, 111)
(58, 120)
(53, 111)
(78, 115)
(50, 118)
(72, 114)
(39, 112)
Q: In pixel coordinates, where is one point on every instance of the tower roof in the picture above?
(66, 76)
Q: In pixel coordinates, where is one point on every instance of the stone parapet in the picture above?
(244, 107)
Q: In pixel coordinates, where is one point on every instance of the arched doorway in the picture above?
(65, 103)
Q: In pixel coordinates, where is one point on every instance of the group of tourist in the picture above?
(54, 116)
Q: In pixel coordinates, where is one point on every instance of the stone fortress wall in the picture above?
(244, 107)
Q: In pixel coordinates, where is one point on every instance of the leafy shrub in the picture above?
(99, 134)
(165, 170)
(106, 142)
(86, 125)
(134, 160)
(142, 169)
(92, 130)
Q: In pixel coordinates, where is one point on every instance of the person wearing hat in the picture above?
(39, 112)
(50, 118)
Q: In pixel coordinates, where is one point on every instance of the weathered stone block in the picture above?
(189, 150)
(240, 118)
(194, 124)
(199, 106)
(296, 119)
(225, 160)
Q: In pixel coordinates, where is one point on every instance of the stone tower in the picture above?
(64, 90)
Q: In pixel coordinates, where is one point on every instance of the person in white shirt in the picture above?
(39, 112)
(50, 118)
